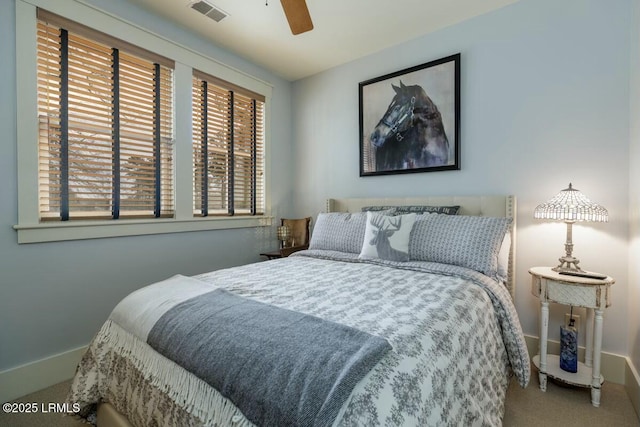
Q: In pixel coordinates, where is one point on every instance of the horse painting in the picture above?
(410, 134)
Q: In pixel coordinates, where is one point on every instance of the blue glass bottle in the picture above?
(569, 347)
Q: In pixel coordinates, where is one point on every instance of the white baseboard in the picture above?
(632, 385)
(25, 379)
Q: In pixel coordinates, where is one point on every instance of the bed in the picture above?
(399, 313)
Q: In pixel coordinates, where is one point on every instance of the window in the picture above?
(105, 131)
(105, 113)
(228, 148)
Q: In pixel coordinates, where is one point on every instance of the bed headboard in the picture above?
(495, 206)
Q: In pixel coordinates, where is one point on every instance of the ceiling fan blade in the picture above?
(298, 15)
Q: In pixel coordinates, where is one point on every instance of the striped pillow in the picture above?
(468, 241)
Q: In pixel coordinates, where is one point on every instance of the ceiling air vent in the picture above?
(209, 10)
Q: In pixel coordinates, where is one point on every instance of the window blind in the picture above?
(106, 127)
(228, 148)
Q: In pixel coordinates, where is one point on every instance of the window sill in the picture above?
(80, 230)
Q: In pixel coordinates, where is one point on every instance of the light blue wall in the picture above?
(55, 296)
(634, 193)
(545, 102)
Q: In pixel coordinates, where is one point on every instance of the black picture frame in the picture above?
(416, 134)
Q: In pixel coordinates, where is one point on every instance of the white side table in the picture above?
(593, 294)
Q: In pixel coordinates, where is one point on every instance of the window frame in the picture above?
(127, 77)
(228, 103)
(29, 228)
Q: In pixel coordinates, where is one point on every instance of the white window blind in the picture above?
(228, 148)
(105, 112)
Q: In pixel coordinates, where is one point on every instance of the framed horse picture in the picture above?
(410, 119)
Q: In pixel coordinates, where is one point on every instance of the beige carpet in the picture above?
(559, 406)
(567, 406)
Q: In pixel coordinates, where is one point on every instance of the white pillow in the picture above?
(387, 237)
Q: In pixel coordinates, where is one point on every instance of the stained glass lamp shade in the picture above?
(570, 205)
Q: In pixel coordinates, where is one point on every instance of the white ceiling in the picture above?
(344, 30)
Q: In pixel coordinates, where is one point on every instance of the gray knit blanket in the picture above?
(279, 367)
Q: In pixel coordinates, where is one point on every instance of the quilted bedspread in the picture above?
(455, 335)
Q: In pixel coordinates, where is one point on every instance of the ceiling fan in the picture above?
(298, 16)
(296, 12)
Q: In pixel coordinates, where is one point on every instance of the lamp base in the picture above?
(567, 263)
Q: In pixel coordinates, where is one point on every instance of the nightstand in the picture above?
(594, 295)
(284, 252)
(272, 254)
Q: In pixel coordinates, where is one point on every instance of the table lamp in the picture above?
(284, 233)
(570, 205)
